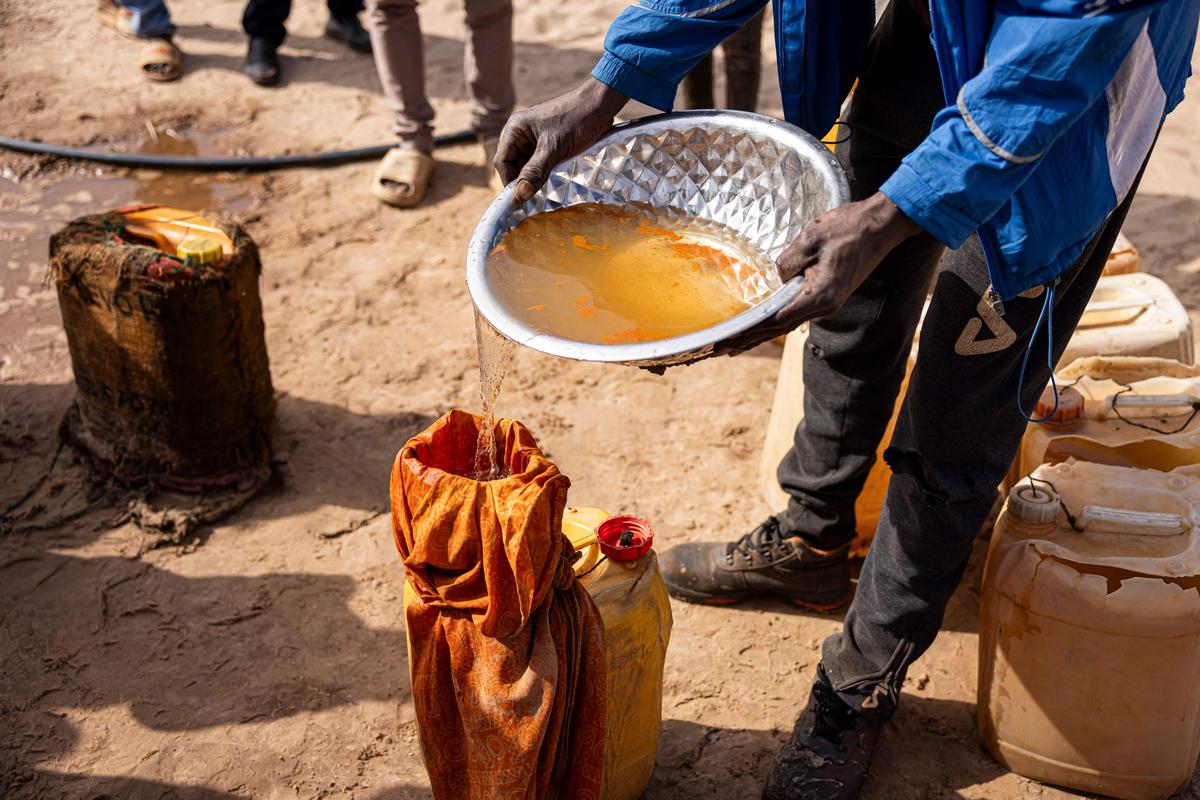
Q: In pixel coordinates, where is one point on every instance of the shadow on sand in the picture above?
(324, 456)
(928, 749)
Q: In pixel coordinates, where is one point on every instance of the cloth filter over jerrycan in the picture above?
(165, 330)
(506, 647)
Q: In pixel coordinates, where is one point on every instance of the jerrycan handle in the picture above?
(1148, 401)
(579, 526)
(1105, 519)
(1138, 300)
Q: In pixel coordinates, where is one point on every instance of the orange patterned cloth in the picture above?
(506, 648)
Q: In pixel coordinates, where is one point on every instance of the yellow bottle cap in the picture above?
(200, 250)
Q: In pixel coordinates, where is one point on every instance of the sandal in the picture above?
(403, 176)
(114, 16)
(162, 61)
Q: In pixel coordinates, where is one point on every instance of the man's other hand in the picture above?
(835, 254)
(536, 139)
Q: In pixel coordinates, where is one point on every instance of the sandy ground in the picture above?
(266, 657)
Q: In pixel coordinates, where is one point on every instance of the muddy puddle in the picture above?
(32, 208)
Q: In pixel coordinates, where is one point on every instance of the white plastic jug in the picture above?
(1125, 410)
(1123, 258)
(1132, 315)
(1090, 630)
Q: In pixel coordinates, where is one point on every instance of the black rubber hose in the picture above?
(220, 163)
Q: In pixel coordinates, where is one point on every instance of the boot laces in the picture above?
(765, 538)
(831, 717)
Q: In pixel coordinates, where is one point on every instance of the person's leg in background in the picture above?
(400, 60)
(854, 362)
(743, 65)
(263, 21)
(697, 86)
(403, 176)
(344, 26)
(149, 20)
(488, 67)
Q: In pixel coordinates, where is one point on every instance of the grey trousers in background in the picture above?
(958, 426)
(400, 60)
(743, 67)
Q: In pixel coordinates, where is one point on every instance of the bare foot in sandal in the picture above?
(402, 178)
(162, 61)
(114, 16)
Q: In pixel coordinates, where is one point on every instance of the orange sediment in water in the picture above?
(582, 243)
(630, 335)
(646, 229)
(601, 274)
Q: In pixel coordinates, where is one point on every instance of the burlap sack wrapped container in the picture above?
(173, 384)
(506, 648)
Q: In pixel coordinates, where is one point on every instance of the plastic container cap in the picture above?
(1035, 505)
(200, 250)
(1069, 411)
(625, 538)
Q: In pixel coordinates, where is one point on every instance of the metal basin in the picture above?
(760, 177)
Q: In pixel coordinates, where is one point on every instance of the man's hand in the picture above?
(536, 139)
(835, 253)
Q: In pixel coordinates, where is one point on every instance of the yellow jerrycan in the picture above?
(176, 231)
(1125, 411)
(624, 581)
(1132, 315)
(1089, 631)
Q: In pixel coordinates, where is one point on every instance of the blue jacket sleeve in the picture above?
(650, 47)
(1048, 62)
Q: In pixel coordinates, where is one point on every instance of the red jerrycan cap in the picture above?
(625, 538)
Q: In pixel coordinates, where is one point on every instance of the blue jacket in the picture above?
(1052, 105)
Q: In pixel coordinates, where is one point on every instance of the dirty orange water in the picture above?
(614, 275)
(494, 352)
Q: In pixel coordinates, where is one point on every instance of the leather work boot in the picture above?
(763, 563)
(262, 62)
(829, 752)
(350, 32)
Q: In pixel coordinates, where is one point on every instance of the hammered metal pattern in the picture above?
(747, 183)
(763, 179)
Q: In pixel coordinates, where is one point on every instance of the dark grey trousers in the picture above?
(959, 425)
